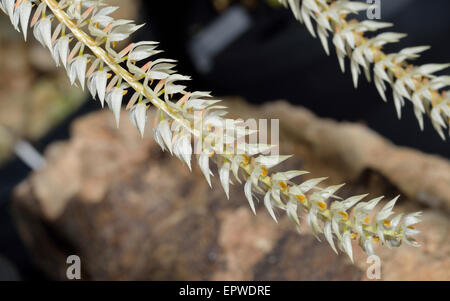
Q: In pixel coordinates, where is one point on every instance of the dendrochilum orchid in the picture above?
(83, 37)
(418, 84)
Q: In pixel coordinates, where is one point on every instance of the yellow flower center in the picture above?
(301, 198)
(265, 172)
(283, 185)
(322, 205)
(344, 215)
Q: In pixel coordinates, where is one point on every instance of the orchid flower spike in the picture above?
(82, 36)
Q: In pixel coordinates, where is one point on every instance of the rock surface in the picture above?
(132, 212)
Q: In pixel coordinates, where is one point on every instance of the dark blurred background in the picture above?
(257, 50)
(277, 58)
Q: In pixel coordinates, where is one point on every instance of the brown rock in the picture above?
(245, 240)
(132, 212)
(351, 150)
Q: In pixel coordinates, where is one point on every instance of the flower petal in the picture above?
(203, 162)
(249, 195)
(224, 174)
(139, 117)
(329, 235)
(347, 244)
(166, 134)
(268, 204)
